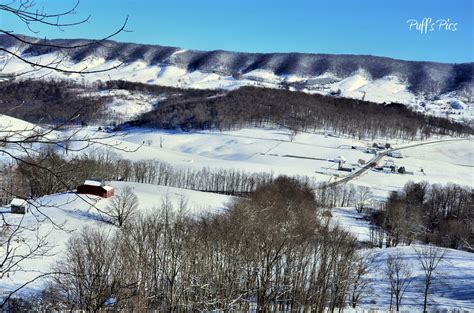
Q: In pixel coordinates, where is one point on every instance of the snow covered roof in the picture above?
(93, 182)
(108, 188)
(18, 202)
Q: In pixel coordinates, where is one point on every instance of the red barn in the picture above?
(96, 187)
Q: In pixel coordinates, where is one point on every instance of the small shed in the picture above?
(96, 187)
(19, 206)
(340, 159)
(395, 154)
(379, 146)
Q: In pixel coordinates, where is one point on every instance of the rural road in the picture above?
(383, 154)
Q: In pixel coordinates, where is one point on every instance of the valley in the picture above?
(137, 177)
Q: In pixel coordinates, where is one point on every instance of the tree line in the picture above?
(439, 214)
(174, 92)
(32, 178)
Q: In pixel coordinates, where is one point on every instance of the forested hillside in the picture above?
(48, 101)
(250, 106)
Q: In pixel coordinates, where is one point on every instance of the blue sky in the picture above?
(376, 27)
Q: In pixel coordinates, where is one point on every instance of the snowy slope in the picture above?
(452, 288)
(452, 283)
(16, 129)
(442, 163)
(427, 87)
(349, 219)
(73, 212)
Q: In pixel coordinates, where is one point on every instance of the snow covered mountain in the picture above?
(434, 88)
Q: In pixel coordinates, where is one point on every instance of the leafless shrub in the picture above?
(399, 275)
(429, 257)
(122, 207)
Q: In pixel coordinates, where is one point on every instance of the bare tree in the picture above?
(13, 253)
(399, 274)
(293, 131)
(123, 206)
(23, 144)
(91, 275)
(361, 285)
(429, 257)
(32, 17)
(362, 195)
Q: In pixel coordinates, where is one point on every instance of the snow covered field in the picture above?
(442, 163)
(312, 155)
(271, 150)
(452, 288)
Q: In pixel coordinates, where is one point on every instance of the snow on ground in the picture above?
(453, 283)
(271, 150)
(355, 223)
(389, 86)
(251, 150)
(352, 83)
(127, 105)
(16, 129)
(387, 89)
(359, 85)
(452, 288)
(442, 163)
(73, 212)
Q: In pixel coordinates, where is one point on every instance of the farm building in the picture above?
(395, 154)
(19, 206)
(389, 167)
(381, 146)
(96, 187)
(340, 160)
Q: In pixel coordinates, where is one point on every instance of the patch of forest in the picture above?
(50, 101)
(439, 214)
(67, 102)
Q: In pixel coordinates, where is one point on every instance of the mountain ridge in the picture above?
(420, 75)
(5, 38)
